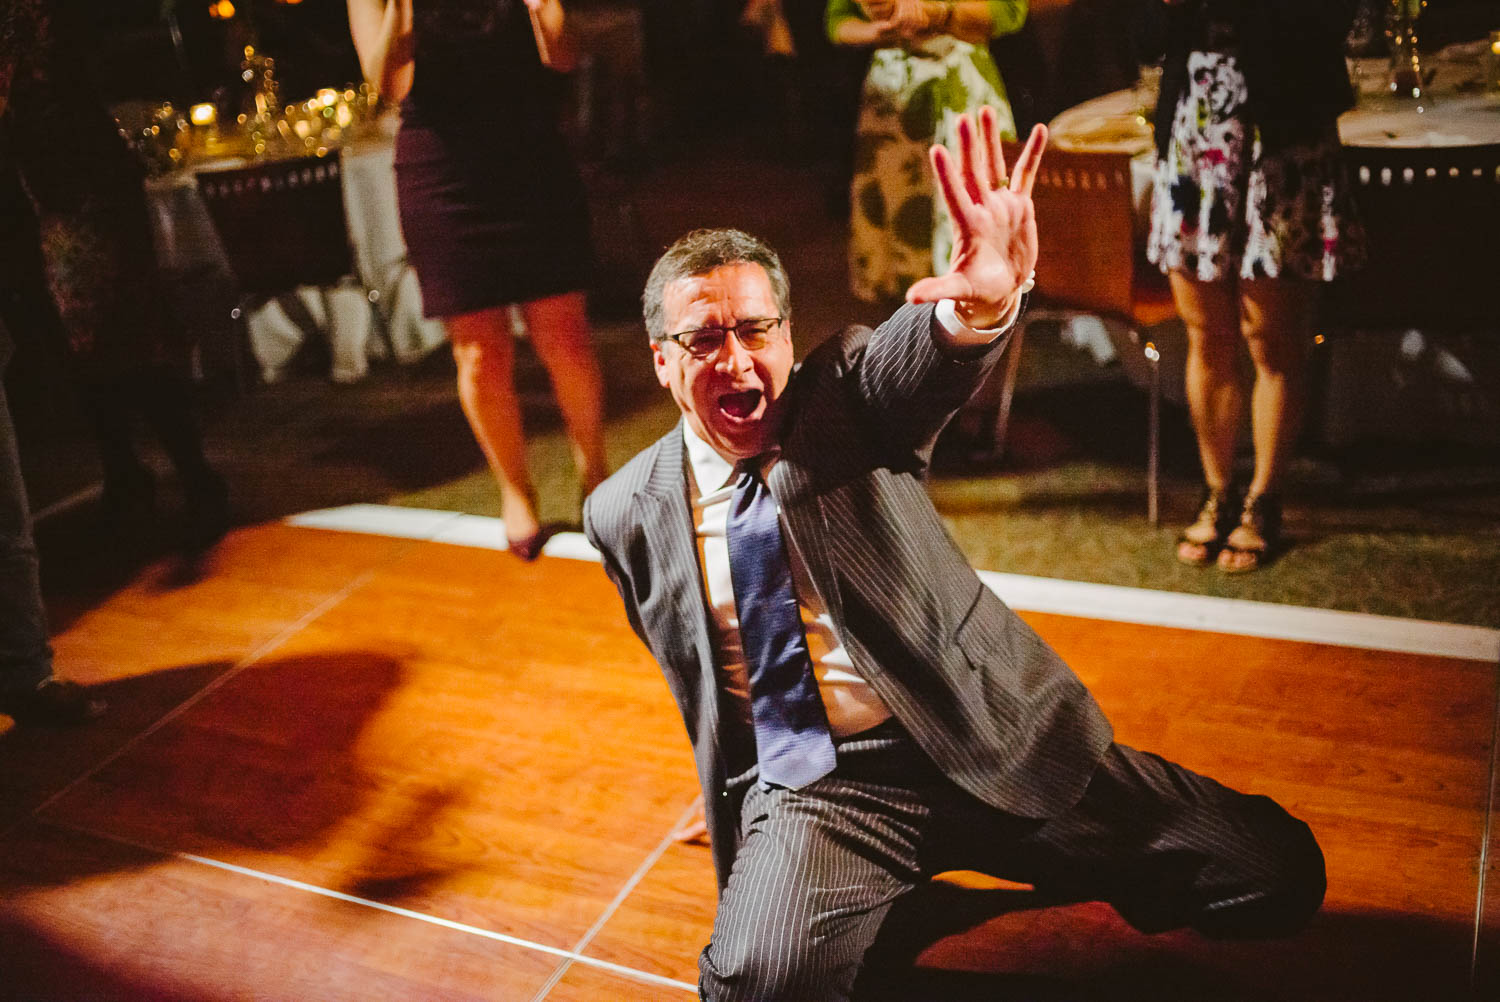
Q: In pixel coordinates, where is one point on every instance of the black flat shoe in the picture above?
(530, 548)
(53, 703)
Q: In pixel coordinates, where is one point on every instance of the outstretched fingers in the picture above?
(974, 164)
(989, 128)
(994, 233)
(1029, 162)
(950, 185)
(974, 175)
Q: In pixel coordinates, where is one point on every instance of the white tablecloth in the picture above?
(1454, 111)
(1112, 123)
(187, 246)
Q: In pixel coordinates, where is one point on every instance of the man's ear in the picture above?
(659, 362)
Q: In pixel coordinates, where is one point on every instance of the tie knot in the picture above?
(751, 471)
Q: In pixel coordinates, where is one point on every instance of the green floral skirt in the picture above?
(899, 230)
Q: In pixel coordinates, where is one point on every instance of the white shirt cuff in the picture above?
(960, 333)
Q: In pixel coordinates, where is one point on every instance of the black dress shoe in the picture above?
(207, 511)
(53, 703)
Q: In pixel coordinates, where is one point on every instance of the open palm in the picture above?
(994, 221)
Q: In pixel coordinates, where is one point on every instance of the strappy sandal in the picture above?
(1257, 539)
(1202, 541)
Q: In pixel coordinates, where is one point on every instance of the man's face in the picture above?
(731, 398)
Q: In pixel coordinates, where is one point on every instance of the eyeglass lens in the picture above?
(707, 341)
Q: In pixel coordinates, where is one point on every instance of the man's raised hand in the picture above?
(994, 222)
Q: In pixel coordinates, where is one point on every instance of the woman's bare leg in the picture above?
(1216, 399)
(559, 329)
(484, 350)
(1277, 318)
(1277, 321)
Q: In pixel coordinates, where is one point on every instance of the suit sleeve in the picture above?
(911, 384)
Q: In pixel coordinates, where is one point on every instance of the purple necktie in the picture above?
(792, 741)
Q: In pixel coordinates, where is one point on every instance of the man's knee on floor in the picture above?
(1289, 893)
(1303, 880)
(758, 973)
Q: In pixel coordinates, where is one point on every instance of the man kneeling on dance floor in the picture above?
(864, 711)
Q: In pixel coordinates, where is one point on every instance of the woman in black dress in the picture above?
(494, 214)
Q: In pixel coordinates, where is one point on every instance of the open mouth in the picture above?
(740, 405)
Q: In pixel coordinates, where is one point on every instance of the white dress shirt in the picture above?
(851, 704)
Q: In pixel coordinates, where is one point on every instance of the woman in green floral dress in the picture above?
(931, 64)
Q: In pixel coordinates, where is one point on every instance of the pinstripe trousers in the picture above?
(818, 869)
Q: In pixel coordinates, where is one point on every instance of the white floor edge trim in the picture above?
(1070, 598)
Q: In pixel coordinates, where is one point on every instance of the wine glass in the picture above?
(1406, 78)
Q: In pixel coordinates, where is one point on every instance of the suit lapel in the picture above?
(666, 519)
(794, 490)
(799, 493)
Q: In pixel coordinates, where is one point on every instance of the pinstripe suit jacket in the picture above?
(983, 696)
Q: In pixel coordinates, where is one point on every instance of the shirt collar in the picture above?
(711, 471)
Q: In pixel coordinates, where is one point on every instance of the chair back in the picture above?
(1432, 218)
(281, 222)
(1085, 226)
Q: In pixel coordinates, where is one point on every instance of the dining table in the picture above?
(377, 313)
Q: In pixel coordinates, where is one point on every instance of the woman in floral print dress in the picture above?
(1251, 210)
(931, 64)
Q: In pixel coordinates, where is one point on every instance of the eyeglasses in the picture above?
(706, 342)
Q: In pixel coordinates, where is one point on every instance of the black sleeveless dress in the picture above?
(492, 207)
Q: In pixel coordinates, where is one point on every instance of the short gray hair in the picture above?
(702, 251)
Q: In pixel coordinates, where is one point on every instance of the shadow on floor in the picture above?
(967, 945)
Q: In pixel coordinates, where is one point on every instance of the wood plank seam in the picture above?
(261, 652)
(630, 885)
(298, 885)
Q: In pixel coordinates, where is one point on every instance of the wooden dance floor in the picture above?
(354, 766)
